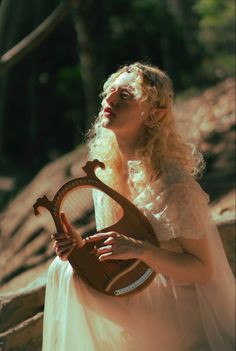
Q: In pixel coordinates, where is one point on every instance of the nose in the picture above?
(111, 97)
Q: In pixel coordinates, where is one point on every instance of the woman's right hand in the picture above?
(63, 243)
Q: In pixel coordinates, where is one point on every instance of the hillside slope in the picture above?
(26, 248)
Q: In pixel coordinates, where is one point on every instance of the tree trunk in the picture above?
(186, 19)
(32, 40)
(86, 58)
(13, 49)
(164, 40)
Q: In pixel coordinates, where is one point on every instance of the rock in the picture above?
(21, 318)
(25, 240)
(26, 336)
(26, 250)
(209, 119)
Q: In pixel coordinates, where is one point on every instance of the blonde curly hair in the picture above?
(161, 140)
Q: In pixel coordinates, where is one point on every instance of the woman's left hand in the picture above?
(116, 246)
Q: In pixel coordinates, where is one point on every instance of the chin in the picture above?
(107, 123)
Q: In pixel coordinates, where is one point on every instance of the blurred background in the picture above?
(54, 58)
(49, 95)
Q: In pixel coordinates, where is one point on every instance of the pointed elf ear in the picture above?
(159, 112)
(155, 116)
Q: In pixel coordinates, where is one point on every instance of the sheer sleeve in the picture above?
(178, 210)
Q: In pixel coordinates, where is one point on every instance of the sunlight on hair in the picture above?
(162, 141)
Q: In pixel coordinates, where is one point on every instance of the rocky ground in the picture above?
(25, 245)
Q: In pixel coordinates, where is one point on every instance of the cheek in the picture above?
(123, 105)
(130, 109)
(135, 119)
(140, 113)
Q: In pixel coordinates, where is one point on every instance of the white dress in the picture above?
(167, 315)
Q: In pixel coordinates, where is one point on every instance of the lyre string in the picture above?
(81, 216)
(74, 206)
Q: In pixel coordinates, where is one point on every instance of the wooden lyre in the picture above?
(112, 277)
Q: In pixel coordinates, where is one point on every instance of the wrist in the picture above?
(145, 252)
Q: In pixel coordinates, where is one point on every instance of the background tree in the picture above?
(48, 100)
(216, 32)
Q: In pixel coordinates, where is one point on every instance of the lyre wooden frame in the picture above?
(112, 277)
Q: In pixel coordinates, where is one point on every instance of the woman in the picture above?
(190, 304)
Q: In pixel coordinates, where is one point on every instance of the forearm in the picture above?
(178, 266)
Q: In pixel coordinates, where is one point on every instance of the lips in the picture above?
(108, 111)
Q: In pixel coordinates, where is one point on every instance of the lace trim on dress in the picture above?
(178, 210)
(175, 205)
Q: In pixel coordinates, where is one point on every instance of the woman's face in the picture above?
(123, 110)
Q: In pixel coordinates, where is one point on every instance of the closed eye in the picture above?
(126, 95)
(123, 93)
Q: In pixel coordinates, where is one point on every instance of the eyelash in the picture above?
(125, 95)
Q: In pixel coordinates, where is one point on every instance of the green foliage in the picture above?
(70, 91)
(217, 34)
(193, 40)
(216, 24)
(69, 85)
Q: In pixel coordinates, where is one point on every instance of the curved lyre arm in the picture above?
(90, 168)
(44, 202)
(49, 205)
(91, 180)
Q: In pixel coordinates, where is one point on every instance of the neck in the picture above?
(127, 149)
(129, 143)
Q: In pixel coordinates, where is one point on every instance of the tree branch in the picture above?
(32, 40)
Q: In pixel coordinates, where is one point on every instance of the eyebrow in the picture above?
(125, 87)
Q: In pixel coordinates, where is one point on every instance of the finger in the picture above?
(64, 256)
(110, 240)
(103, 249)
(65, 243)
(60, 236)
(66, 224)
(71, 232)
(64, 251)
(60, 247)
(65, 248)
(99, 236)
(106, 256)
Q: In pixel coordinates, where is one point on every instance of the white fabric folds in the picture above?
(167, 315)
